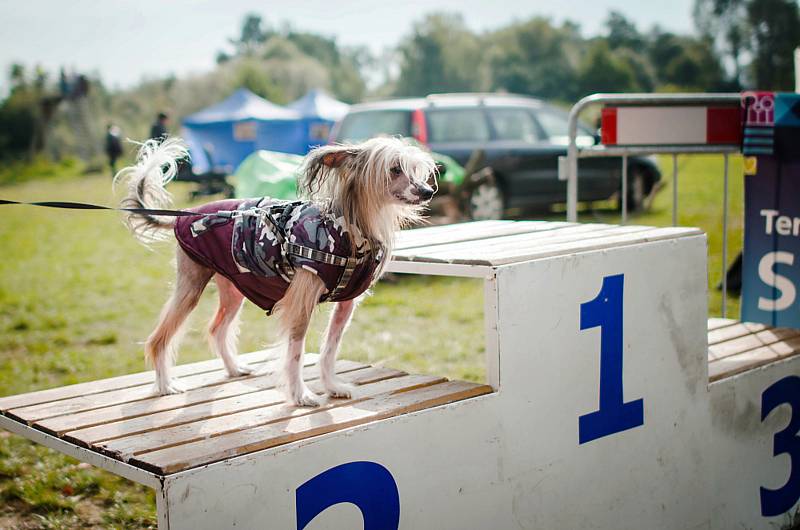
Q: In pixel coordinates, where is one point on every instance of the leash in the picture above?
(86, 206)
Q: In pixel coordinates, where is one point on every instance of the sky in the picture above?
(128, 40)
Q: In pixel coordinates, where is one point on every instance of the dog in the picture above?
(287, 257)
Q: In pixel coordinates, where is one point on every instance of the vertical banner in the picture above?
(771, 256)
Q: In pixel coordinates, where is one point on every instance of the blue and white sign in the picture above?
(771, 257)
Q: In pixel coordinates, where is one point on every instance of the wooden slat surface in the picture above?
(313, 423)
(175, 404)
(124, 381)
(489, 243)
(438, 235)
(564, 239)
(739, 329)
(218, 407)
(736, 347)
(273, 410)
(122, 418)
(35, 413)
(716, 323)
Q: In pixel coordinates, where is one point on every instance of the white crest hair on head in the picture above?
(353, 179)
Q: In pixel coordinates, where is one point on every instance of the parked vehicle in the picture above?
(520, 139)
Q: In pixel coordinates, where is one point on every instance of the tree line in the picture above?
(737, 44)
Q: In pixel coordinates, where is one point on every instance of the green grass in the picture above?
(700, 185)
(78, 295)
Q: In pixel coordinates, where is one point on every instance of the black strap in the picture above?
(85, 206)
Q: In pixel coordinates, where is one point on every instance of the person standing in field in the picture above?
(159, 129)
(113, 146)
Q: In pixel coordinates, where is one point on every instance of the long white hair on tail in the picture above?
(156, 165)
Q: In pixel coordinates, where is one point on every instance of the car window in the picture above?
(513, 124)
(360, 126)
(556, 128)
(457, 125)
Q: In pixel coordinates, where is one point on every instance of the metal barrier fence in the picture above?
(568, 167)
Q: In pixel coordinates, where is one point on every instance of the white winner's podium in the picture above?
(596, 411)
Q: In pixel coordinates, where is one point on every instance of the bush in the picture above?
(17, 171)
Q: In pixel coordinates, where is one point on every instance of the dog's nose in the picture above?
(425, 193)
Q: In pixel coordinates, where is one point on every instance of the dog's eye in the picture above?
(396, 171)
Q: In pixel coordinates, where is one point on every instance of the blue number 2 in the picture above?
(368, 485)
(614, 415)
(786, 390)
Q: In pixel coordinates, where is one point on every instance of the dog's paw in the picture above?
(169, 387)
(241, 369)
(305, 398)
(339, 389)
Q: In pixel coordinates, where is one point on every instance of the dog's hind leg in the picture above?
(294, 312)
(160, 347)
(224, 327)
(340, 318)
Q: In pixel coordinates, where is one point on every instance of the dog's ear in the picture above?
(320, 164)
(337, 158)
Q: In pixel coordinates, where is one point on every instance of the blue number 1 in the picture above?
(614, 415)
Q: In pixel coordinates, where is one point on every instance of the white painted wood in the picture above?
(84, 455)
(742, 448)
(491, 333)
(512, 459)
(439, 269)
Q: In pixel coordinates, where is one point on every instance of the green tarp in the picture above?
(273, 174)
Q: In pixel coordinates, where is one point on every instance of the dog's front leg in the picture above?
(340, 318)
(297, 390)
(294, 312)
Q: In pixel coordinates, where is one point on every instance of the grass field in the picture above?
(78, 295)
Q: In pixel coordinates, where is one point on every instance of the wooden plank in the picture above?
(736, 364)
(478, 231)
(733, 332)
(750, 342)
(36, 413)
(174, 459)
(169, 404)
(561, 241)
(560, 237)
(589, 244)
(430, 234)
(716, 323)
(274, 410)
(215, 407)
(124, 381)
(750, 360)
(452, 251)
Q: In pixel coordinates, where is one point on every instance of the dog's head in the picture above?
(380, 170)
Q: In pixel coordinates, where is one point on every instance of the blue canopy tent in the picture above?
(318, 111)
(224, 134)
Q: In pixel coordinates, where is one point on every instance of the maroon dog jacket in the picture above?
(259, 243)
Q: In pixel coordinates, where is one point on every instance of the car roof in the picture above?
(450, 100)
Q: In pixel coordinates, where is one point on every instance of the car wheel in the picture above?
(637, 189)
(486, 202)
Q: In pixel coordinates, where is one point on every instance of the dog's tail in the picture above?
(156, 165)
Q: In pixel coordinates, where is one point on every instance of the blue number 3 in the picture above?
(786, 390)
(614, 415)
(368, 485)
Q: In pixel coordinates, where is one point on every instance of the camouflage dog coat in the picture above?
(259, 243)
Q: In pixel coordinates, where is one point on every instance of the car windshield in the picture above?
(513, 124)
(457, 125)
(359, 126)
(556, 128)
